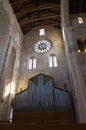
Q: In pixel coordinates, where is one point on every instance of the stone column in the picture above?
(65, 13)
(78, 89)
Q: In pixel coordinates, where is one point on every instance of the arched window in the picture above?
(52, 61)
(17, 39)
(31, 63)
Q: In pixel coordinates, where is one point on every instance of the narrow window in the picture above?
(41, 32)
(34, 63)
(17, 39)
(80, 20)
(31, 63)
(52, 61)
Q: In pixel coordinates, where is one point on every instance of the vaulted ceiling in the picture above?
(42, 13)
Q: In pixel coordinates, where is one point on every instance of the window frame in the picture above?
(32, 63)
(42, 32)
(53, 61)
(17, 39)
(80, 20)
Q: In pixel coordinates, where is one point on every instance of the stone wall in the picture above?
(79, 30)
(4, 37)
(70, 31)
(59, 73)
(10, 53)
